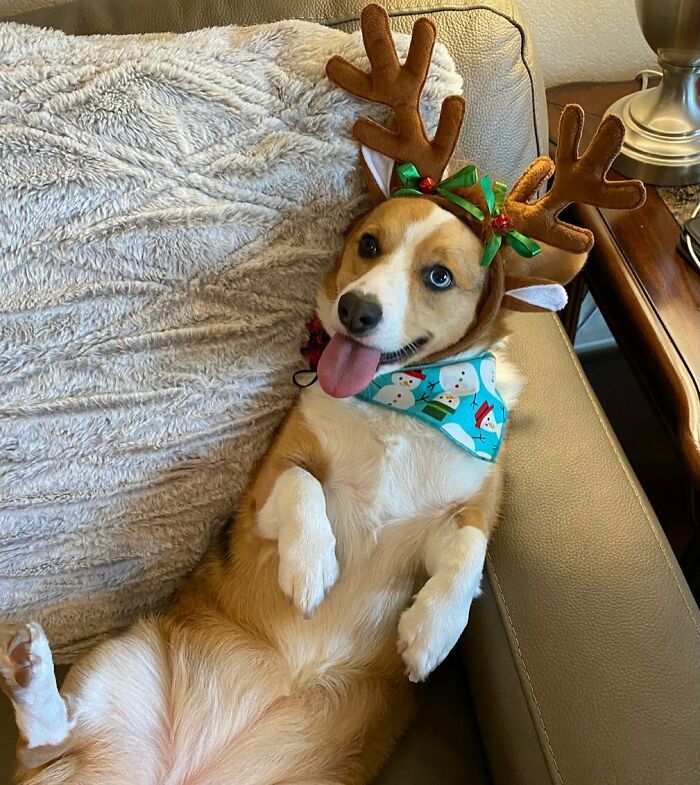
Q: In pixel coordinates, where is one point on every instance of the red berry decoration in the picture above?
(426, 185)
(318, 340)
(501, 223)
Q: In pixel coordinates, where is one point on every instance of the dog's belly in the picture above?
(386, 468)
(390, 481)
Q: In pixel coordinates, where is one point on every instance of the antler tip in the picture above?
(373, 10)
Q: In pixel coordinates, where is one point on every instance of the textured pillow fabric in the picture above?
(167, 204)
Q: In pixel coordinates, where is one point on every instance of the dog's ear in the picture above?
(537, 284)
(378, 170)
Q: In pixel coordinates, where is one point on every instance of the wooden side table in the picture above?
(647, 292)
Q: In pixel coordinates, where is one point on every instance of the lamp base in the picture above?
(662, 129)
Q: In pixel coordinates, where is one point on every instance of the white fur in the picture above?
(454, 558)
(41, 713)
(391, 481)
(202, 705)
(295, 515)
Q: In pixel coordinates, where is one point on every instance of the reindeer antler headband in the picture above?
(496, 214)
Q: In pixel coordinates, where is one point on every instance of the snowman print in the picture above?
(487, 370)
(441, 405)
(485, 419)
(399, 393)
(460, 379)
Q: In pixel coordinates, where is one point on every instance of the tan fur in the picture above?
(232, 684)
(481, 510)
(295, 445)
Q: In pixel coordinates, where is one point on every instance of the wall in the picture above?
(587, 39)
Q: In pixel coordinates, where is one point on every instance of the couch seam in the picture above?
(461, 9)
(613, 441)
(504, 603)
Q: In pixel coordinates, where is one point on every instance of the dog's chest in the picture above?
(385, 467)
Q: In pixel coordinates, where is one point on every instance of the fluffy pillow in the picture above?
(167, 204)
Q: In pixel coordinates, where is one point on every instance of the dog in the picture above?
(359, 546)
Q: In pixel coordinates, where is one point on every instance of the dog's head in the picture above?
(409, 286)
(427, 272)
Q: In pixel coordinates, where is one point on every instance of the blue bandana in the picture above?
(458, 398)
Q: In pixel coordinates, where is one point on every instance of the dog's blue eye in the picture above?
(438, 277)
(369, 246)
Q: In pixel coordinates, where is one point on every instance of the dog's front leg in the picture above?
(44, 718)
(428, 630)
(295, 515)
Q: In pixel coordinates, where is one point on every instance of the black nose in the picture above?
(359, 314)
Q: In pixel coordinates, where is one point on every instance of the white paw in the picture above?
(27, 675)
(307, 572)
(428, 631)
(21, 650)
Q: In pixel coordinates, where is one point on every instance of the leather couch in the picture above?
(581, 663)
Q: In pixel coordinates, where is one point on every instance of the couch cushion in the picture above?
(171, 203)
(506, 123)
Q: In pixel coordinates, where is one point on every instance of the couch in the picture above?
(581, 662)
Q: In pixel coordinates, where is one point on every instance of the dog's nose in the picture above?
(358, 314)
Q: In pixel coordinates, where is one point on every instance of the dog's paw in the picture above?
(428, 631)
(21, 649)
(307, 573)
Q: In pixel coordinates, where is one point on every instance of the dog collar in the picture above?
(459, 398)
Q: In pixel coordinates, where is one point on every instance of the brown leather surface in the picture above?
(598, 620)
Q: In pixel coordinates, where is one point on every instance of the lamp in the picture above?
(662, 124)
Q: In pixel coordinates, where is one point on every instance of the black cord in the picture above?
(298, 383)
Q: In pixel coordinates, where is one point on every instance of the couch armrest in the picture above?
(506, 123)
(584, 653)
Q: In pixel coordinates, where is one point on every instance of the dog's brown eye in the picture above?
(437, 277)
(369, 246)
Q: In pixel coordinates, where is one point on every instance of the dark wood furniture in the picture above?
(648, 294)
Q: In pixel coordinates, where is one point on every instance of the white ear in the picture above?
(381, 168)
(550, 296)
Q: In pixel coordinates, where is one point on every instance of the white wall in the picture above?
(587, 39)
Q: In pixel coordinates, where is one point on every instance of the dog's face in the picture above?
(408, 282)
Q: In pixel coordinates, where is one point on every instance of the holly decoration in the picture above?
(412, 184)
(501, 223)
(495, 194)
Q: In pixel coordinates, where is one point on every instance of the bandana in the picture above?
(459, 398)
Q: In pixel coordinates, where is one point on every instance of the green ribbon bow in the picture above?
(410, 177)
(495, 195)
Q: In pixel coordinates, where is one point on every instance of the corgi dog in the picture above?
(288, 655)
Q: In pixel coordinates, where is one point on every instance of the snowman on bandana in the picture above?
(460, 379)
(399, 393)
(485, 419)
(457, 382)
(441, 405)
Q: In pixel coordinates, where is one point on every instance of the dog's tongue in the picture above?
(346, 367)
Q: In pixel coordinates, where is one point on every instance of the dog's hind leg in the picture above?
(27, 676)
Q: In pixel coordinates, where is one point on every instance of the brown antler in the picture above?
(399, 87)
(578, 178)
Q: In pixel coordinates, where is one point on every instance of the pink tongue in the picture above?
(346, 367)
